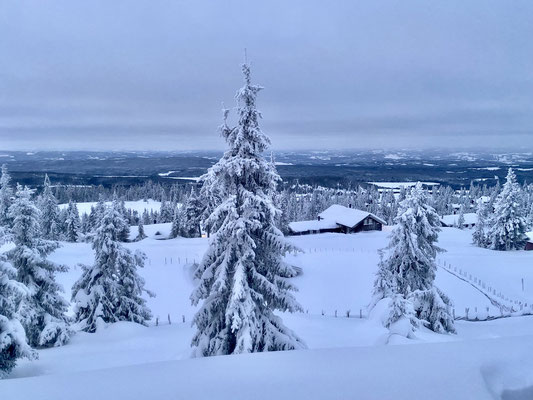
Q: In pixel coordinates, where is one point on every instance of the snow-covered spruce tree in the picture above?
(177, 222)
(6, 196)
(109, 290)
(191, 216)
(461, 218)
(49, 211)
(43, 311)
(131, 305)
(124, 230)
(72, 223)
(479, 237)
(508, 224)
(408, 267)
(243, 277)
(13, 343)
(166, 212)
(140, 234)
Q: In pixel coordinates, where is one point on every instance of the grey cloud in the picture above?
(152, 75)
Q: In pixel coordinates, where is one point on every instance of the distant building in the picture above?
(529, 243)
(452, 220)
(338, 219)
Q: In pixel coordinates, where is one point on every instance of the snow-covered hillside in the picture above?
(137, 362)
(139, 206)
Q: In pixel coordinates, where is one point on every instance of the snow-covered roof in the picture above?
(451, 220)
(332, 217)
(346, 216)
(313, 225)
(529, 236)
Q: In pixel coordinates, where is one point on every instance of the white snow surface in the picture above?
(398, 185)
(347, 357)
(312, 225)
(452, 219)
(139, 206)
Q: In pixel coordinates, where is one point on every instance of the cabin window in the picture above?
(367, 221)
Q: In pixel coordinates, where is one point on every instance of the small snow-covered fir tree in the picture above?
(177, 222)
(43, 311)
(408, 267)
(191, 216)
(508, 224)
(97, 213)
(140, 231)
(72, 223)
(6, 196)
(243, 277)
(479, 237)
(124, 229)
(109, 290)
(131, 305)
(49, 211)
(461, 218)
(166, 212)
(13, 345)
(146, 217)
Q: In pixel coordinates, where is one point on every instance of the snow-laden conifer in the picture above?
(243, 277)
(42, 312)
(479, 236)
(6, 196)
(131, 304)
(461, 218)
(177, 222)
(140, 231)
(110, 290)
(408, 265)
(49, 212)
(191, 216)
(508, 224)
(124, 229)
(13, 344)
(72, 223)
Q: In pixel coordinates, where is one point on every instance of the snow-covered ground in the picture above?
(139, 206)
(347, 358)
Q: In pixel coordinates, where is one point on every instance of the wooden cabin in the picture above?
(338, 219)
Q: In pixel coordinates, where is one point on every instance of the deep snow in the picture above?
(347, 357)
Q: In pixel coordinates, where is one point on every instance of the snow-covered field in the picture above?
(139, 206)
(347, 358)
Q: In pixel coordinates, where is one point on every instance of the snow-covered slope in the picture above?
(481, 369)
(135, 362)
(139, 206)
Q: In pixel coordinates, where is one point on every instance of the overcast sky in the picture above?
(337, 74)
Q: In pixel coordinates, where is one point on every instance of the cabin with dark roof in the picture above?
(338, 219)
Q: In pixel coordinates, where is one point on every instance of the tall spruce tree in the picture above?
(72, 222)
(192, 215)
(13, 344)
(177, 222)
(406, 274)
(49, 211)
(479, 236)
(243, 277)
(131, 305)
(6, 196)
(43, 311)
(110, 290)
(124, 230)
(508, 223)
